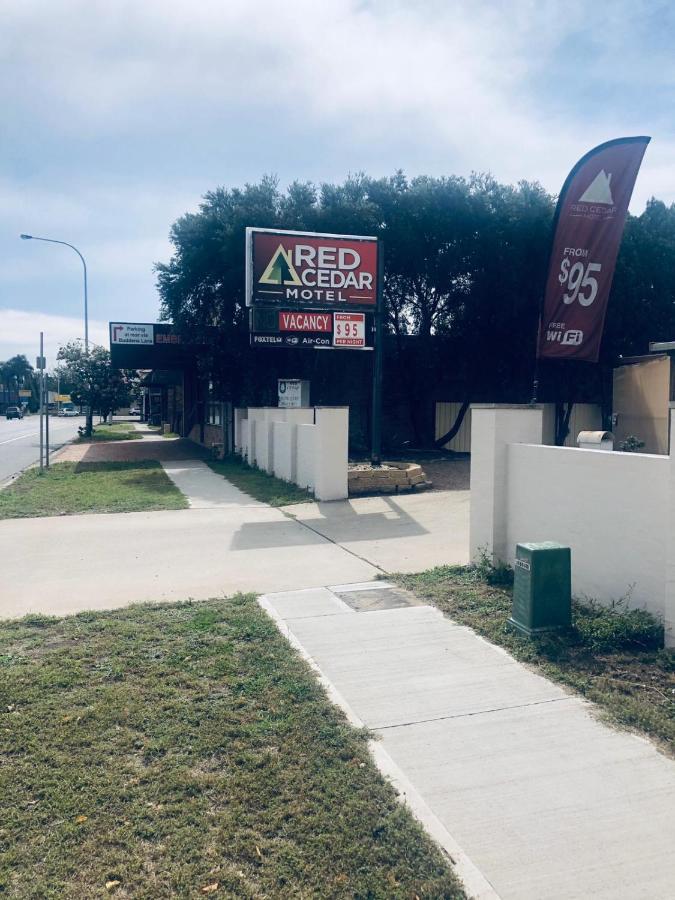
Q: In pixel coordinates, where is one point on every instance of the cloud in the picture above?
(117, 117)
(20, 333)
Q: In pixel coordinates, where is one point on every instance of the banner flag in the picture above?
(588, 226)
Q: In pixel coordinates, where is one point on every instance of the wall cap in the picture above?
(506, 406)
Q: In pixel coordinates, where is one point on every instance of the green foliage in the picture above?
(259, 484)
(631, 445)
(611, 629)
(173, 747)
(93, 380)
(465, 259)
(73, 488)
(499, 573)
(119, 431)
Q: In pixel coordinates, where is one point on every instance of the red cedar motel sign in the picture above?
(291, 268)
(589, 222)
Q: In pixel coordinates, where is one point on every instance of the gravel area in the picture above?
(448, 474)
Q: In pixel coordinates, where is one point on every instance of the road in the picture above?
(20, 441)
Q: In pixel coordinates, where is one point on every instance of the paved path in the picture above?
(225, 542)
(402, 533)
(203, 488)
(511, 773)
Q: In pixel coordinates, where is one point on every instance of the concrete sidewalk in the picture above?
(516, 777)
(401, 533)
(203, 488)
(65, 564)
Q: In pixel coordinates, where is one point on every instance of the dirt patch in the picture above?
(448, 474)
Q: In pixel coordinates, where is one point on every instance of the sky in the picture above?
(118, 116)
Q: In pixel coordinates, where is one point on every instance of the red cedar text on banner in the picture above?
(589, 223)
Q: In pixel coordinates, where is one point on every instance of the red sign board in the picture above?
(305, 321)
(589, 224)
(293, 268)
(349, 330)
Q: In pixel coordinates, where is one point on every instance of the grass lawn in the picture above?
(611, 657)
(99, 487)
(119, 431)
(259, 484)
(184, 750)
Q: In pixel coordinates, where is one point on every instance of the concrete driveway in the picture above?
(226, 542)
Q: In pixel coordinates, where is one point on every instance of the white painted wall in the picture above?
(492, 428)
(331, 453)
(610, 508)
(307, 446)
(669, 602)
(306, 453)
(240, 417)
(285, 447)
(242, 449)
(615, 510)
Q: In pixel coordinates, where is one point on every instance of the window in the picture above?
(213, 412)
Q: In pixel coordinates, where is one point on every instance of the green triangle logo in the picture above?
(280, 269)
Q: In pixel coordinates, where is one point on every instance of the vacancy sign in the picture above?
(130, 333)
(293, 268)
(305, 321)
(349, 330)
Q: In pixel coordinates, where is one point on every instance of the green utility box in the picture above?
(542, 588)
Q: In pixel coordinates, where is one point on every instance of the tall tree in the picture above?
(465, 262)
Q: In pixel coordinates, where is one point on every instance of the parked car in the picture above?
(14, 412)
(68, 411)
(134, 411)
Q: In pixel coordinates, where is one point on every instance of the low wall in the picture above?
(306, 446)
(610, 508)
(615, 510)
(305, 455)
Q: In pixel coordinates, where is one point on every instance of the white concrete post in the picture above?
(304, 456)
(254, 420)
(272, 414)
(283, 434)
(669, 604)
(331, 453)
(493, 427)
(240, 415)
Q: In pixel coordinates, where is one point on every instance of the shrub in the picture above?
(499, 574)
(631, 445)
(607, 629)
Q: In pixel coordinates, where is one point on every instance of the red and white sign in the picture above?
(590, 217)
(310, 269)
(305, 321)
(349, 330)
(131, 333)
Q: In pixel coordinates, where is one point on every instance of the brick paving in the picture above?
(160, 449)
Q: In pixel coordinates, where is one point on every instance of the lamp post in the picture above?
(31, 237)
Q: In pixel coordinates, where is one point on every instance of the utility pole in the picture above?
(41, 367)
(46, 420)
(378, 351)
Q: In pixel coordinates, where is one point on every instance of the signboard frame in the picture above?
(308, 302)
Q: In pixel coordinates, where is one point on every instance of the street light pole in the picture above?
(31, 237)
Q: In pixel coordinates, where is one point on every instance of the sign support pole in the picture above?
(376, 449)
(46, 420)
(42, 401)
